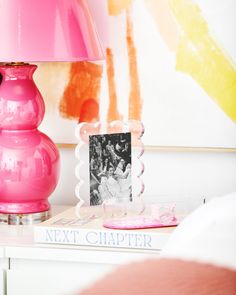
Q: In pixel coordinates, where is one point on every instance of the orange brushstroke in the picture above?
(113, 113)
(116, 7)
(81, 96)
(89, 111)
(135, 100)
(164, 19)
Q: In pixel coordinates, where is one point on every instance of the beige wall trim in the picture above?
(190, 149)
(168, 148)
(66, 145)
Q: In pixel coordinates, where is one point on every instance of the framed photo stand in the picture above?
(110, 167)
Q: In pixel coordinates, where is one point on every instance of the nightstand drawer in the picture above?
(52, 278)
(2, 287)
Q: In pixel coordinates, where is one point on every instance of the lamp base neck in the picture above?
(24, 219)
(14, 64)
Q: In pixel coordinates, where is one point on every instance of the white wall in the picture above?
(181, 174)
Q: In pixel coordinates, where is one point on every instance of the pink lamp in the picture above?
(33, 31)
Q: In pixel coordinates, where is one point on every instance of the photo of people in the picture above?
(110, 167)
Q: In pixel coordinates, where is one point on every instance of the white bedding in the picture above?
(208, 234)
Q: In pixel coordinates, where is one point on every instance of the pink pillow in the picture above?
(166, 277)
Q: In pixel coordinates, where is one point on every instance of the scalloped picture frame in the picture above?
(84, 131)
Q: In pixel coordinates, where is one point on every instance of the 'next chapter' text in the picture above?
(99, 238)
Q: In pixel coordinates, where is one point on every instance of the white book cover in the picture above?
(67, 228)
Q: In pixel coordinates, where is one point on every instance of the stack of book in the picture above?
(67, 228)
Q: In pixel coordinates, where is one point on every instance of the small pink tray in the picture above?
(137, 222)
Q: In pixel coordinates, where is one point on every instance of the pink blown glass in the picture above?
(29, 160)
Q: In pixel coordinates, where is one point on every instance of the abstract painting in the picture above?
(170, 64)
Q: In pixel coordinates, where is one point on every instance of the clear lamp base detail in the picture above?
(24, 219)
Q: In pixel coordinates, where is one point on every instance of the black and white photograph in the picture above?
(110, 167)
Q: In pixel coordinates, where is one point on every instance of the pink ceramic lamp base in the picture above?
(29, 160)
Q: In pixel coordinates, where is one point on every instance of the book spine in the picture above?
(101, 238)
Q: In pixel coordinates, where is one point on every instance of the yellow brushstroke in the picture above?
(200, 56)
(116, 7)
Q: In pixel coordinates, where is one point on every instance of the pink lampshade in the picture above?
(47, 30)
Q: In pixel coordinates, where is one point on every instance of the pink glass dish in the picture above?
(150, 216)
(150, 212)
(138, 222)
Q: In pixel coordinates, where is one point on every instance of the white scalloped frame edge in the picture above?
(83, 131)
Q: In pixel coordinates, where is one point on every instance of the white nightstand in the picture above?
(34, 269)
